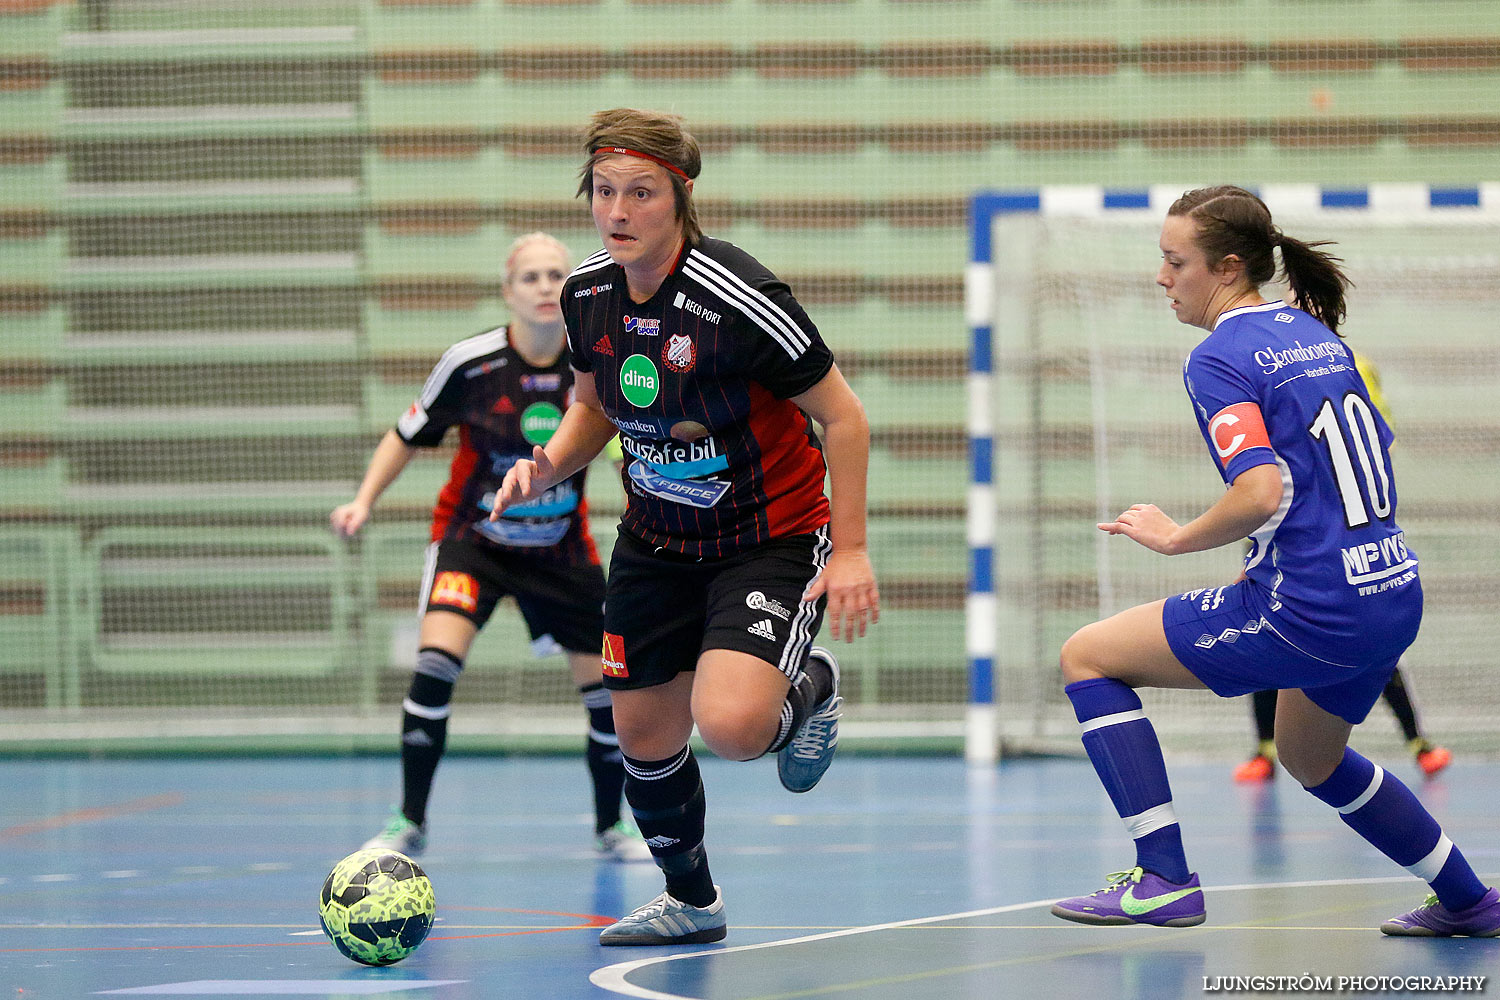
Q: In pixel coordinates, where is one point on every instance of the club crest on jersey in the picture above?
(456, 590)
(613, 656)
(642, 325)
(677, 354)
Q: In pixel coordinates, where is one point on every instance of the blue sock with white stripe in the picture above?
(1379, 808)
(1122, 744)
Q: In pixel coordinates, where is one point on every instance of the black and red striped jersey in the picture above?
(502, 406)
(698, 379)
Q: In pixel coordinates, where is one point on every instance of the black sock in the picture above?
(424, 730)
(606, 765)
(1265, 715)
(808, 692)
(667, 798)
(1400, 701)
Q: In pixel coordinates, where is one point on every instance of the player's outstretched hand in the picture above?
(853, 598)
(527, 479)
(346, 520)
(1146, 524)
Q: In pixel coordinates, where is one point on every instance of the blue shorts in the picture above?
(1227, 641)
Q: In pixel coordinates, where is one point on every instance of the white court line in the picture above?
(613, 977)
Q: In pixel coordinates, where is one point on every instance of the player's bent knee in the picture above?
(643, 743)
(735, 735)
(1310, 767)
(1077, 659)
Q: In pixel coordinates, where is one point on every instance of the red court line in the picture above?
(92, 815)
(595, 923)
(592, 920)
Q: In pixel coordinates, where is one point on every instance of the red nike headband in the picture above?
(672, 167)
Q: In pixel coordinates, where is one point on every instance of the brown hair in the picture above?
(1233, 222)
(657, 135)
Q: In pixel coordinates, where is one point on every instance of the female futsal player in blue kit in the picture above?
(1329, 596)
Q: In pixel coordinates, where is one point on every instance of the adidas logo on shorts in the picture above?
(764, 629)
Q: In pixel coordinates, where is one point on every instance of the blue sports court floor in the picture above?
(895, 879)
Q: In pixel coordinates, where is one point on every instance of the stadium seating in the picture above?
(40, 574)
(233, 237)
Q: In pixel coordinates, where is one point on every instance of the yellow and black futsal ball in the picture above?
(377, 906)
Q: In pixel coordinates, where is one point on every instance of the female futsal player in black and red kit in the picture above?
(712, 374)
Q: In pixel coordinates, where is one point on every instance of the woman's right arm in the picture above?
(583, 433)
(390, 457)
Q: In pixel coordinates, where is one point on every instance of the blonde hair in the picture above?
(658, 135)
(522, 242)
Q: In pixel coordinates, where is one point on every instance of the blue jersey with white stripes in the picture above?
(1331, 563)
(699, 380)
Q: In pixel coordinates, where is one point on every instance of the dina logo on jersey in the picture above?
(539, 422)
(639, 381)
(643, 326)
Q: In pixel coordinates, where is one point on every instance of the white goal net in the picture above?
(1090, 416)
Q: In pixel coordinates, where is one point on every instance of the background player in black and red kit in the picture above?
(712, 374)
(505, 390)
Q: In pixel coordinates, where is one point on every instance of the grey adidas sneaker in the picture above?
(666, 920)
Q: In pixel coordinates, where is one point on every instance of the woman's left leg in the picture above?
(1102, 664)
(613, 836)
(1313, 746)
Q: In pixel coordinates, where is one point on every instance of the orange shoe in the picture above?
(1434, 759)
(1257, 769)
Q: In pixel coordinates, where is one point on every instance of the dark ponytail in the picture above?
(1232, 221)
(1317, 282)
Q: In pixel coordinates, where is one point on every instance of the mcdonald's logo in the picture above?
(456, 589)
(613, 656)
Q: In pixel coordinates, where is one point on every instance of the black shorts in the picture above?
(563, 604)
(664, 610)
